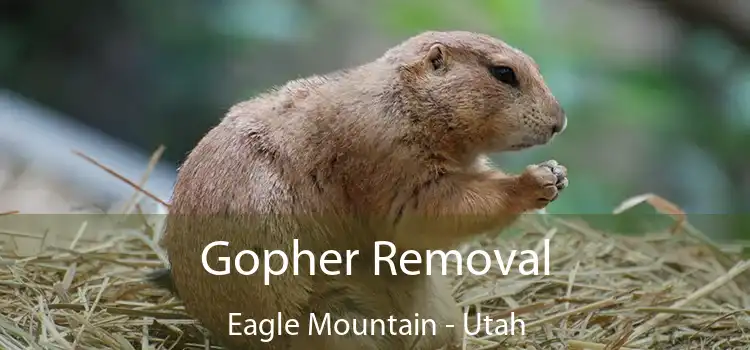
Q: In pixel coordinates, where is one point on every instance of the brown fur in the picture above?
(390, 150)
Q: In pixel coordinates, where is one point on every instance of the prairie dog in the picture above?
(394, 150)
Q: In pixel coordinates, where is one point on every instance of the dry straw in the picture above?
(668, 290)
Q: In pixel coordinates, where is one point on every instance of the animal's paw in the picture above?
(542, 183)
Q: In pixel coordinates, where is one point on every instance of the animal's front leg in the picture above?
(458, 205)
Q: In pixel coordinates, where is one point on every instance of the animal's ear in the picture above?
(436, 58)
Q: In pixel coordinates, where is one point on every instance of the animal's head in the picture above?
(477, 90)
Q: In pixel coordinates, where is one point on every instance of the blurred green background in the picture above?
(657, 91)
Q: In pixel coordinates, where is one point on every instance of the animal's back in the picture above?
(255, 182)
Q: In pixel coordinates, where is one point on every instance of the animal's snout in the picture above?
(560, 126)
(562, 122)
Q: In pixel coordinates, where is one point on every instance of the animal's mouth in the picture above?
(521, 146)
(529, 142)
(531, 139)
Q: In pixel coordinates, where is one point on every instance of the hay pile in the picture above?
(669, 290)
(664, 291)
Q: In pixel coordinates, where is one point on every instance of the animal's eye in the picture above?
(505, 75)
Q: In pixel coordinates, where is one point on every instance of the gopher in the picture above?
(393, 150)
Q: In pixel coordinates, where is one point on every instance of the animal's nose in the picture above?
(562, 121)
(560, 127)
